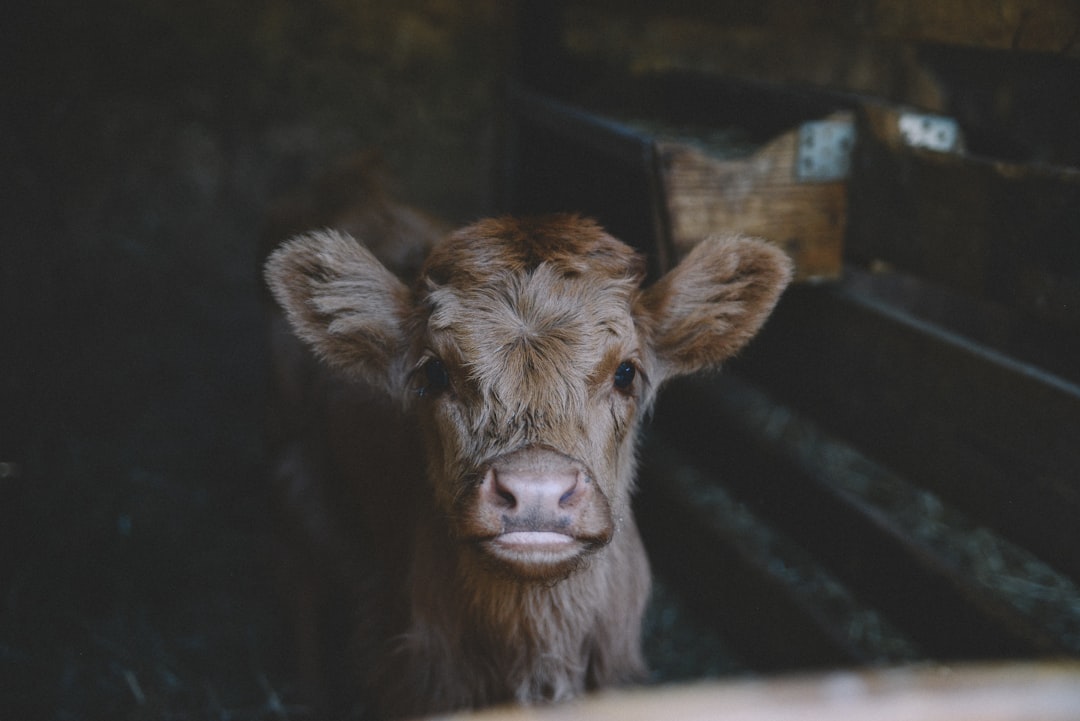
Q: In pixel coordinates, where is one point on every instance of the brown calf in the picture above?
(468, 468)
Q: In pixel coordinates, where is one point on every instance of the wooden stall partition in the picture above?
(692, 181)
(1004, 231)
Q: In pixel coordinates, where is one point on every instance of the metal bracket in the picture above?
(825, 150)
(933, 132)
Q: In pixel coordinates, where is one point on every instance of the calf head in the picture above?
(528, 351)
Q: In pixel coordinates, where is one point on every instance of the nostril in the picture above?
(502, 492)
(507, 497)
(570, 494)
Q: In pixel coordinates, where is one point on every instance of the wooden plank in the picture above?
(999, 692)
(760, 195)
(686, 33)
(688, 187)
(1002, 231)
(1008, 70)
(793, 613)
(1044, 26)
(618, 140)
(842, 532)
(561, 158)
(958, 587)
(996, 326)
(1049, 26)
(991, 435)
(752, 612)
(658, 42)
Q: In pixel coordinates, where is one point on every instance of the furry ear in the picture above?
(341, 301)
(713, 302)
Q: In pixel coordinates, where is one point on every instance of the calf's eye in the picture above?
(624, 375)
(436, 378)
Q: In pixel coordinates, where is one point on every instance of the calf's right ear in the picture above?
(712, 303)
(344, 304)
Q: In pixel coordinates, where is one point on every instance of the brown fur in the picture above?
(529, 320)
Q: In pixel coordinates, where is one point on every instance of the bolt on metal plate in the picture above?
(825, 150)
(933, 132)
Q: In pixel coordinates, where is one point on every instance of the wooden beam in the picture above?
(959, 589)
(1002, 692)
(771, 601)
(1046, 26)
(999, 230)
(685, 184)
(1008, 69)
(994, 436)
(760, 195)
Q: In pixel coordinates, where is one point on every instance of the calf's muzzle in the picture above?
(538, 513)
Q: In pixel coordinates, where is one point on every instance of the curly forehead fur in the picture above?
(508, 305)
(570, 245)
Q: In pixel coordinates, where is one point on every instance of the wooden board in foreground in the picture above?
(1007, 692)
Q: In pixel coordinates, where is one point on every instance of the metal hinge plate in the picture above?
(825, 148)
(933, 132)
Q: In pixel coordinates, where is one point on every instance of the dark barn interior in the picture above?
(889, 475)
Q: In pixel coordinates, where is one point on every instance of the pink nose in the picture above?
(534, 482)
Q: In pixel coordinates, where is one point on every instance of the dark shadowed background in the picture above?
(141, 143)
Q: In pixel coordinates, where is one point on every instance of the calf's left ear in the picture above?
(344, 304)
(713, 302)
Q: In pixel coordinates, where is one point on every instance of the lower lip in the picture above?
(533, 539)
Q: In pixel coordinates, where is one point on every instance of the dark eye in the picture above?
(624, 375)
(435, 377)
